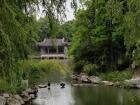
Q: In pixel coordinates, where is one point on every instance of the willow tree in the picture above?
(17, 33)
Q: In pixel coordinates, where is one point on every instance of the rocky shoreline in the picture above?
(19, 99)
(84, 80)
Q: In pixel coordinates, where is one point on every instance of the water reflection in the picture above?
(91, 95)
(97, 95)
(55, 96)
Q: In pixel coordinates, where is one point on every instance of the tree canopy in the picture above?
(106, 33)
(18, 33)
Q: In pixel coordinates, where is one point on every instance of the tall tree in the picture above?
(98, 36)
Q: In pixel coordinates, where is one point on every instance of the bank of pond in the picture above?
(86, 95)
(60, 86)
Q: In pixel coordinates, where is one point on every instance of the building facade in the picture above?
(53, 49)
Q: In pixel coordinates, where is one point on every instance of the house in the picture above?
(53, 49)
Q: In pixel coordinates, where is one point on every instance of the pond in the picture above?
(86, 95)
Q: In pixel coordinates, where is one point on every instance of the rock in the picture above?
(25, 96)
(118, 84)
(84, 79)
(13, 101)
(6, 95)
(31, 91)
(79, 85)
(138, 86)
(42, 86)
(32, 96)
(94, 79)
(75, 77)
(2, 100)
(133, 83)
(107, 83)
(17, 97)
(81, 74)
(28, 90)
(35, 91)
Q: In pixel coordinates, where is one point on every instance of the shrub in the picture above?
(91, 69)
(37, 71)
(117, 75)
(3, 86)
(78, 66)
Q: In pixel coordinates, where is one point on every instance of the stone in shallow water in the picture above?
(42, 86)
(133, 83)
(107, 83)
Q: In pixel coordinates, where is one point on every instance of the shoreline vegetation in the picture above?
(33, 73)
(104, 36)
(124, 79)
(36, 72)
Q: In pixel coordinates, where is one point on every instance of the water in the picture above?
(87, 95)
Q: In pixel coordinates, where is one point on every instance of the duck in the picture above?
(62, 85)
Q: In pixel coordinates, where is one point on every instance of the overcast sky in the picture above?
(69, 12)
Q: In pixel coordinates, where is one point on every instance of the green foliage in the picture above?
(67, 28)
(53, 28)
(91, 69)
(117, 76)
(48, 28)
(38, 71)
(3, 86)
(132, 34)
(99, 34)
(18, 34)
(78, 66)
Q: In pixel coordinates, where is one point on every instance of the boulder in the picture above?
(81, 74)
(75, 77)
(84, 79)
(2, 100)
(6, 95)
(28, 90)
(13, 101)
(107, 83)
(32, 96)
(133, 83)
(17, 97)
(25, 96)
(94, 79)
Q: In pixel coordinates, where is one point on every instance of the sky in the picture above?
(69, 12)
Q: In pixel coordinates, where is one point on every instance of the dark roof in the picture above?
(53, 42)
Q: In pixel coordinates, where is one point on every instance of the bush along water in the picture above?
(38, 71)
(117, 75)
(91, 69)
(30, 73)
